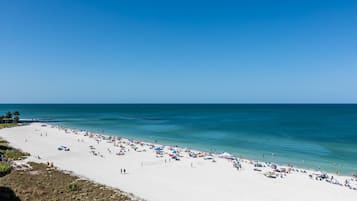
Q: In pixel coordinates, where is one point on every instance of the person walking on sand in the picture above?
(121, 171)
(124, 171)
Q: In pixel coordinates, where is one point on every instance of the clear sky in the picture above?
(178, 51)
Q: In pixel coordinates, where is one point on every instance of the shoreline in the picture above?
(152, 141)
(144, 163)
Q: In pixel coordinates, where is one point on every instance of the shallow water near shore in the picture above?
(311, 136)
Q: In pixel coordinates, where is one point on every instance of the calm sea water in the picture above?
(311, 136)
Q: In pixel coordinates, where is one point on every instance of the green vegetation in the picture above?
(42, 183)
(11, 153)
(73, 187)
(3, 143)
(9, 119)
(16, 117)
(8, 115)
(7, 125)
(45, 184)
(15, 154)
(5, 168)
(16, 113)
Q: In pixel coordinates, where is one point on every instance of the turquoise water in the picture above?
(311, 136)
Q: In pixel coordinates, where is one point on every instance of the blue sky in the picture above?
(178, 51)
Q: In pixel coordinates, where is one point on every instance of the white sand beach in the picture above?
(156, 177)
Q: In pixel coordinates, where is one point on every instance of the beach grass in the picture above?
(7, 125)
(15, 154)
(11, 153)
(42, 183)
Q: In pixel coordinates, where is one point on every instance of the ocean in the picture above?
(317, 136)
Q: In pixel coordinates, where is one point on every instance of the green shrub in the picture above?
(73, 187)
(15, 154)
(5, 168)
(3, 142)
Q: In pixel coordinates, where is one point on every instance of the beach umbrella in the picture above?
(317, 173)
(226, 155)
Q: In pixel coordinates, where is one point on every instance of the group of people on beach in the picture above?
(175, 153)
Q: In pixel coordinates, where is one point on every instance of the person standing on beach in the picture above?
(121, 171)
(124, 171)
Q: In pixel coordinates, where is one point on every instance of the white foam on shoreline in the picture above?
(152, 178)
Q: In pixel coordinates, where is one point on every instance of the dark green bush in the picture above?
(5, 168)
(73, 187)
(15, 154)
